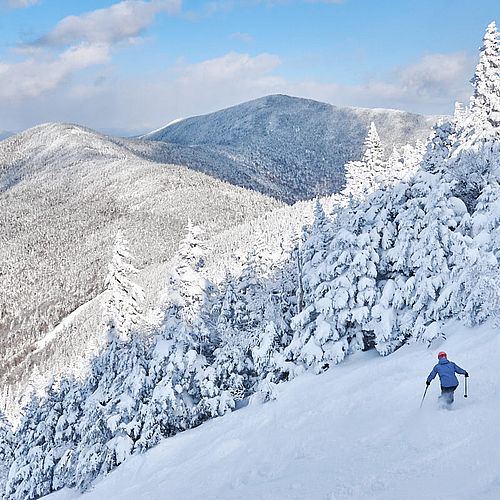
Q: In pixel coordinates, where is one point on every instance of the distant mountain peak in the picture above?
(288, 147)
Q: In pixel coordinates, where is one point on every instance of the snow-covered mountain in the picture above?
(355, 432)
(286, 147)
(64, 192)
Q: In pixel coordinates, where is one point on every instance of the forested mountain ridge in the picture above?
(288, 147)
(64, 191)
(64, 188)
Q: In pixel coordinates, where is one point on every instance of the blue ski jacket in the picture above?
(446, 371)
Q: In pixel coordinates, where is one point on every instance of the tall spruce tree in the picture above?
(122, 310)
(485, 100)
(367, 175)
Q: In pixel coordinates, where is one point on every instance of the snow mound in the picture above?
(354, 432)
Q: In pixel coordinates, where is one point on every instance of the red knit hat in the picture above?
(442, 354)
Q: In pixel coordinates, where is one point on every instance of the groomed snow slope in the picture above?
(354, 432)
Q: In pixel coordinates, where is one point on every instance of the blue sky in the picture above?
(135, 65)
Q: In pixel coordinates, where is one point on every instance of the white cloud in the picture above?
(231, 67)
(39, 74)
(119, 22)
(434, 74)
(430, 85)
(17, 4)
(80, 42)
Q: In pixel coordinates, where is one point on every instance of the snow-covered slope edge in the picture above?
(354, 432)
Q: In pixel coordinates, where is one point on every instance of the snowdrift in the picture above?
(354, 432)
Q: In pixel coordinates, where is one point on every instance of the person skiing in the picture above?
(446, 370)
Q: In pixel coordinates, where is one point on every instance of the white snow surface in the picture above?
(354, 432)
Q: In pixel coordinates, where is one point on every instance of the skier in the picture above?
(449, 382)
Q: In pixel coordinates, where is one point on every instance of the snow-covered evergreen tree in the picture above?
(314, 250)
(485, 100)
(6, 450)
(129, 392)
(28, 455)
(439, 146)
(187, 301)
(122, 308)
(66, 436)
(431, 257)
(94, 457)
(269, 359)
(475, 157)
(365, 176)
(167, 409)
(341, 302)
(232, 361)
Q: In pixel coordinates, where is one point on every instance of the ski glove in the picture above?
(466, 374)
(427, 383)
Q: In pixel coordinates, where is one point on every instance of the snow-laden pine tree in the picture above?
(6, 450)
(365, 176)
(342, 300)
(167, 409)
(109, 392)
(379, 217)
(183, 381)
(403, 164)
(460, 115)
(179, 348)
(93, 456)
(485, 100)
(315, 248)
(129, 392)
(28, 456)
(432, 257)
(187, 300)
(476, 296)
(476, 293)
(485, 221)
(66, 436)
(282, 304)
(438, 147)
(475, 156)
(251, 290)
(45, 453)
(122, 309)
(232, 360)
(270, 362)
(313, 252)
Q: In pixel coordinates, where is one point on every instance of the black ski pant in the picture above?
(447, 394)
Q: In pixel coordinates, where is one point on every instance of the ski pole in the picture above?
(423, 397)
(465, 393)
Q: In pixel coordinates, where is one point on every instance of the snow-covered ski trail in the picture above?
(354, 432)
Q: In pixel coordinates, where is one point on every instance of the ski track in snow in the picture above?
(354, 432)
